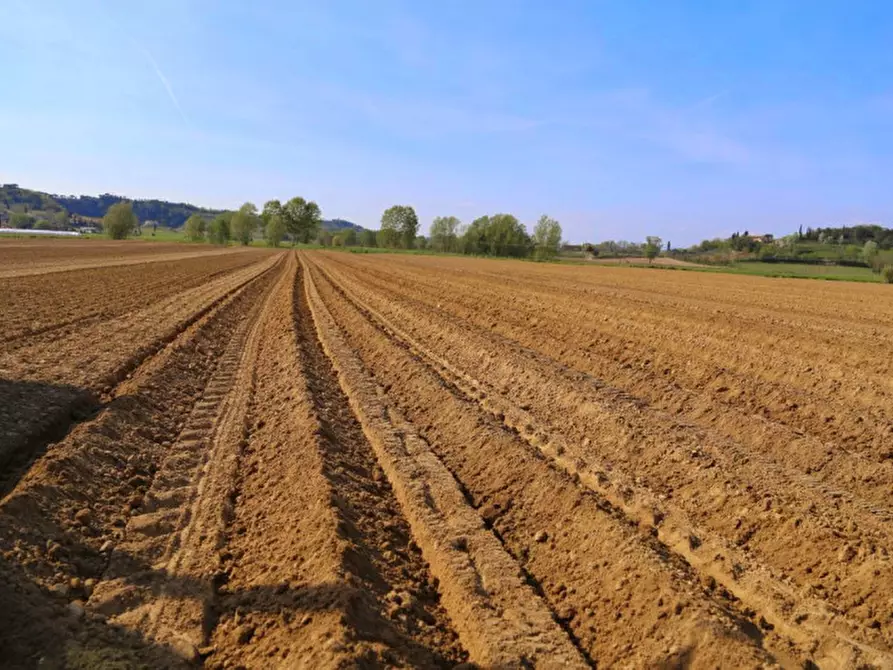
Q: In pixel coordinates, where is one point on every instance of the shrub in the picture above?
(887, 274)
(119, 221)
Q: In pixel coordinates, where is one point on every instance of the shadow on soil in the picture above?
(38, 628)
(33, 415)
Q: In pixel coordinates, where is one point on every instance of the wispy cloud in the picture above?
(164, 80)
(708, 101)
(635, 113)
(148, 56)
(421, 116)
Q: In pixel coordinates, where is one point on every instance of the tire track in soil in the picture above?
(53, 424)
(86, 290)
(622, 349)
(815, 629)
(500, 619)
(626, 599)
(162, 577)
(70, 510)
(318, 567)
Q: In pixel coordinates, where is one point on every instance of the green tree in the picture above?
(652, 247)
(194, 228)
(474, 240)
(302, 219)
(870, 252)
(272, 208)
(219, 229)
(60, 220)
(120, 221)
(20, 220)
(324, 238)
(443, 233)
(404, 224)
(368, 238)
(273, 219)
(387, 238)
(506, 236)
(244, 223)
(421, 242)
(274, 231)
(350, 237)
(546, 237)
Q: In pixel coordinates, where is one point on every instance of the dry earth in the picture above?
(256, 459)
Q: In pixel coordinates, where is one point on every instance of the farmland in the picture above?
(256, 458)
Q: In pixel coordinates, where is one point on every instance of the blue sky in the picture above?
(620, 118)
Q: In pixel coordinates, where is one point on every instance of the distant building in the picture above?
(764, 239)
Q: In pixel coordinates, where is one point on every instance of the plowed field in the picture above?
(254, 459)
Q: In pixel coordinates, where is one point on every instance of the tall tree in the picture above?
(302, 219)
(324, 238)
(653, 245)
(274, 222)
(120, 221)
(506, 236)
(546, 237)
(20, 220)
(368, 238)
(194, 228)
(219, 229)
(402, 220)
(244, 223)
(274, 231)
(272, 208)
(60, 220)
(443, 233)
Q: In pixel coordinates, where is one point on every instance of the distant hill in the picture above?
(25, 208)
(170, 214)
(341, 224)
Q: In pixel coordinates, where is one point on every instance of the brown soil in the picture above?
(23, 258)
(329, 460)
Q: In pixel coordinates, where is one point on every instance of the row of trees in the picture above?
(297, 218)
(496, 235)
(850, 235)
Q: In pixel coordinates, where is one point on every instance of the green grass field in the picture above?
(783, 270)
(804, 271)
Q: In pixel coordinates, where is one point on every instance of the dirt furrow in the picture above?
(511, 392)
(41, 306)
(318, 569)
(500, 618)
(60, 524)
(19, 263)
(161, 575)
(618, 590)
(791, 414)
(66, 385)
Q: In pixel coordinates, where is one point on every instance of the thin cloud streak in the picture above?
(708, 101)
(136, 45)
(164, 81)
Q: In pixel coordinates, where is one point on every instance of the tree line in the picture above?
(492, 235)
(300, 221)
(298, 218)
